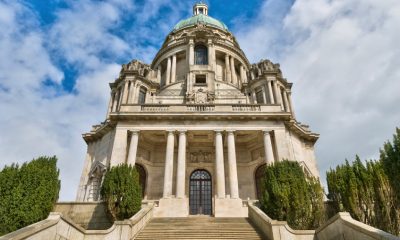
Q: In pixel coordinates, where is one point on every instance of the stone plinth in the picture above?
(172, 207)
(226, 207)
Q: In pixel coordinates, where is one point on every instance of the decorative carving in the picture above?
(263, 66)
(200, 157)
(200, 96)
(135, 65)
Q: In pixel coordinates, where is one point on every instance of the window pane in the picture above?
(200, 55)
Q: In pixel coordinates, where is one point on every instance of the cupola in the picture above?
(200, 8)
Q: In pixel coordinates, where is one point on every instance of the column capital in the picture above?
(218, 131)
(230, 131)
(266, 131)
(170, 131)
(181, 132)
(134, 132)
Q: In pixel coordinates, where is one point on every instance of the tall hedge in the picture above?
(122, 192)
(289, 195)
(27, 193)
(370, 191)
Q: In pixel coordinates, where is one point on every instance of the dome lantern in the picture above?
(200, 8)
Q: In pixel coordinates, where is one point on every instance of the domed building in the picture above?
(200, 123)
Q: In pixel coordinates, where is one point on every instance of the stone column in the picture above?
(268, 152)
(211, 52)
(227, 70)
(219, 164)
(159, 74)
(233, 72)
(110, 103)
(168, 73)
(286, 101)
(242, 74)
(115, 101)
(181, 168)
(264, 90)
(133, 147)
(137, 90)
(271, 95)
(233, 179)
(253, 93)
(173, 71)
(278, 94)
(169, 165)
(191, 52)
(290, 104)
(125, 93)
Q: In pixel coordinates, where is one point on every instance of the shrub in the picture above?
(289, 195)
(122, 192)
(27, 193)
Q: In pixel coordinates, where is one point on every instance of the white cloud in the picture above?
(38, 117)
(342, 57)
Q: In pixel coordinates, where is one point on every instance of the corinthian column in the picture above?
(133, 147)
(169, 165)
(181, 168)
(173, 71)
(168, 76)
(286, 101)
(271, 95)
(233, 179)
(191, 52)
(268, 152)
(227, 70)
(159, 74)
(219, 164)
(233, 72)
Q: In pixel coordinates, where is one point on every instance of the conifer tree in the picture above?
(122, 192)
(290, 196)
(28, 193)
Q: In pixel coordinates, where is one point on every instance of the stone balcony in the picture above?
(200, 108)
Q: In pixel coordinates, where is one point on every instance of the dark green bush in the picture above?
(289, 195)
(27, 193)
(122, 192)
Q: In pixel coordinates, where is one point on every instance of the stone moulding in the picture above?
(58, 226)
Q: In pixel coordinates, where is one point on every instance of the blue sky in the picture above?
(57, 58)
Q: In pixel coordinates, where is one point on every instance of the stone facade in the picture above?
(200, 105)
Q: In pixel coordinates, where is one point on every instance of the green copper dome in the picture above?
(203, 19)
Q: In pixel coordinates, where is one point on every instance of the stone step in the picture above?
(199, 228)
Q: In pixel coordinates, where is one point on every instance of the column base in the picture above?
(226, 207)
(172, 207)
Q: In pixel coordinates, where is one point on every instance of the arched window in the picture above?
(200, 55)
(142, 177)
(259, 179)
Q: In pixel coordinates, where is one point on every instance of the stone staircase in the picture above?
(199, 228)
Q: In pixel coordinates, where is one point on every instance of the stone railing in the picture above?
(246, 108)
(167, 108)
(200, 108)
(154, 108)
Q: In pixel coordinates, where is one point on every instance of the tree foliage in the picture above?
(289, 195)
(369, 192)
(27, 193)
(122, 192)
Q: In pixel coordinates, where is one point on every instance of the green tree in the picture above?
(364, 191)
(390, 158)
(289, 195)
(27, 193)
(122, 192)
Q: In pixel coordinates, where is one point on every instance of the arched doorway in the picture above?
(200, 193)
(142, 177)
(259, 179)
